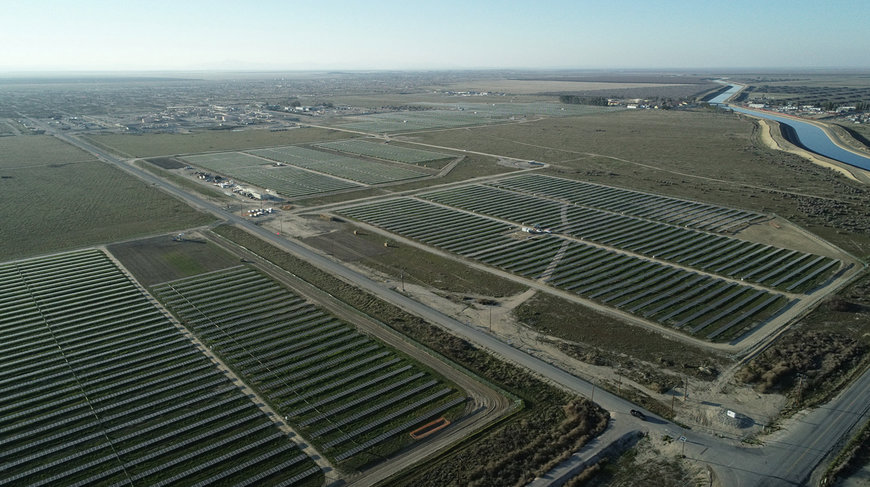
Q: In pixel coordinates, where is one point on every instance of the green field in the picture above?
(57, 207)
(214, 140)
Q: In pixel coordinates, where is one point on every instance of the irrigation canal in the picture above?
(809, 136)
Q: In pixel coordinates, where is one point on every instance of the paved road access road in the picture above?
(788, 458)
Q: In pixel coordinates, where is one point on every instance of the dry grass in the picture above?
(52, 208)
(38, 150)
(827, 347)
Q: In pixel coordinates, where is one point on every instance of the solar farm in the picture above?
(286, 180)
(448, 115)
(349, 394)
(654, 257)
(387, 152)
(360, 170)
(98, 386)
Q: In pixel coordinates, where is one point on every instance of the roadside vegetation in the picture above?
(821, 354)
(854, 457)
(634, 353)
(642, 465)
(551, 424)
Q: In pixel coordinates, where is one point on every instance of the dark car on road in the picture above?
(638, 414)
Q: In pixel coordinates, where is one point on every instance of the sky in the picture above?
(160, 35)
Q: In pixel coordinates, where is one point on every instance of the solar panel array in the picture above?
(97, 386)
(365, 171)
(337, 386)
(671, 295)
(287, 180)
(710, 252)
(687, 213)
(390, 152)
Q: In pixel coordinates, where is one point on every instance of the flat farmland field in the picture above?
(388, 152)
(286, 180)
(54, 207)
(364, 171)
(151, 145)
(97, 386)
(350, 395)
(38, 150)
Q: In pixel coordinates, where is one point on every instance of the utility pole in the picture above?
(673, 400)
(402, 277)
(686, 396)
(490, 319)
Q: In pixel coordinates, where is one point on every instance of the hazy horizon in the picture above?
(93, 35)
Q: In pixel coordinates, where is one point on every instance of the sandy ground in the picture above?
(783, 233)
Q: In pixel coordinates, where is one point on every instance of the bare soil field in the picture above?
(216, 140)
(65, 206)
(160, 259)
